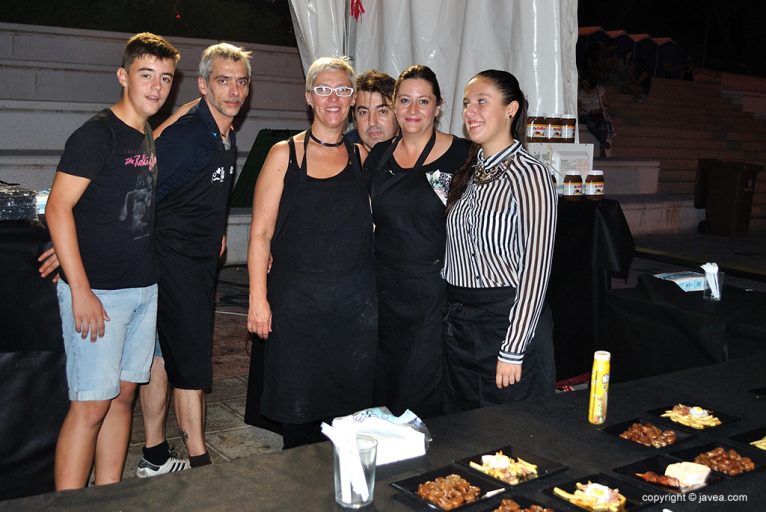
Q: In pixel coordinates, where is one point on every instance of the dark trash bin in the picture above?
(725, 190)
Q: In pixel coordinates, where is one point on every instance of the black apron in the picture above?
(411, 295)
(319, 358)
(476, 322)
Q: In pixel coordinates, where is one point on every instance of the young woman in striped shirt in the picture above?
(501, 224)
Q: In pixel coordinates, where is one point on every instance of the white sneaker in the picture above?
(146, 469)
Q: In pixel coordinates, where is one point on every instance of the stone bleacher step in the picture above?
(629, 176)
(659, 213)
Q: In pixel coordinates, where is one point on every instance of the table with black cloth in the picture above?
(593, 244)
(301, 478)
(657, 327)
(33, 389)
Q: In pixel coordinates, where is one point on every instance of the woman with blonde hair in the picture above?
(316, 308)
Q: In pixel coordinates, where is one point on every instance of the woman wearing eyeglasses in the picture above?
(316, 308)
(408, 178)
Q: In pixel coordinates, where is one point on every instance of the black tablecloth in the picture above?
(657, 328)
(593, 243)
(33, 389)
(301, 478)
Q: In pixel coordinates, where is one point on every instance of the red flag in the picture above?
(357, 9)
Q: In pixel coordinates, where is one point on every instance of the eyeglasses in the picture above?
(325, 90)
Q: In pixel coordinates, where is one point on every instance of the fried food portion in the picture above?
(509, 470)
(694, 417)
(448, 492)
(760, 443)
(508, 505)
(648, 434)
(654, 478)
(726, 461)
(594, 497)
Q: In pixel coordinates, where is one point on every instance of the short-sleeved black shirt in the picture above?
(195, 180)
(115, 215)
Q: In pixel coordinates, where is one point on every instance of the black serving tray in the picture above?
(658, 463)
(748, 437)
(486, 484)
(633, 495)
(545, 467)
(725, 418)
(618, 428)
(523, 501)
(752, 452)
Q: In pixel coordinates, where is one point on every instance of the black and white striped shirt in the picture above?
(501, 233)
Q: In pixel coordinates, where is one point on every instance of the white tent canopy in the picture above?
(533, 39)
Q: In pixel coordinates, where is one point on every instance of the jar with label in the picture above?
(537, 128)
(572, 186)
(554, 128)
(594, 185)
(568, 127)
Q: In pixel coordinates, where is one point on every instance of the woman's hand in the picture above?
(507, 374)
(259, 318)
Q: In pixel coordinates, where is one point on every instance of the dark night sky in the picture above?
(724, 35)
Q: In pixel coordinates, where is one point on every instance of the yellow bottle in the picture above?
(599, 387)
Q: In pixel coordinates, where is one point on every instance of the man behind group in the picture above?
(101, 219)
(373, 110)
(197, 155)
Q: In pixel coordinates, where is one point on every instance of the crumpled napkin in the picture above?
(711, 275)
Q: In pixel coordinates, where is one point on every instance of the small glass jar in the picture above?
(553, 130)
(594, 185)
(572, 186)
(537, 127)
(568, 127)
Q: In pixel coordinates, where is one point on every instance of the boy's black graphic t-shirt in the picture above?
(115, 215)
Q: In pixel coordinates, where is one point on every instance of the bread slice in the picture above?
(688, 473)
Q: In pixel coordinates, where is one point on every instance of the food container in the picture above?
(17, 203)
(572, 186)
(537, 128)
(568, 127)
(553, 130)
(599, 387)
(594, 185)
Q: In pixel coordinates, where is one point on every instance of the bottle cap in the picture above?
(602, 355)
(569, 116)
(573, 173)
(596, 172)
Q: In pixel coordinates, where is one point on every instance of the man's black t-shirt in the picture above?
(115, 215)
(195, 180)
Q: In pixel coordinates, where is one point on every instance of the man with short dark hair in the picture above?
(100, 215)
(197, 155)
(373, 110)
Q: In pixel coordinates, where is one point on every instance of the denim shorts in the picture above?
(94, 369)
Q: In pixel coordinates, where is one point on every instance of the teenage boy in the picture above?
(100, 215)
(197, 155)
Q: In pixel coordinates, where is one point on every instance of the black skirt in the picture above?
(477, 321)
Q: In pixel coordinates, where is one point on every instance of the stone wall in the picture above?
(53, 79)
